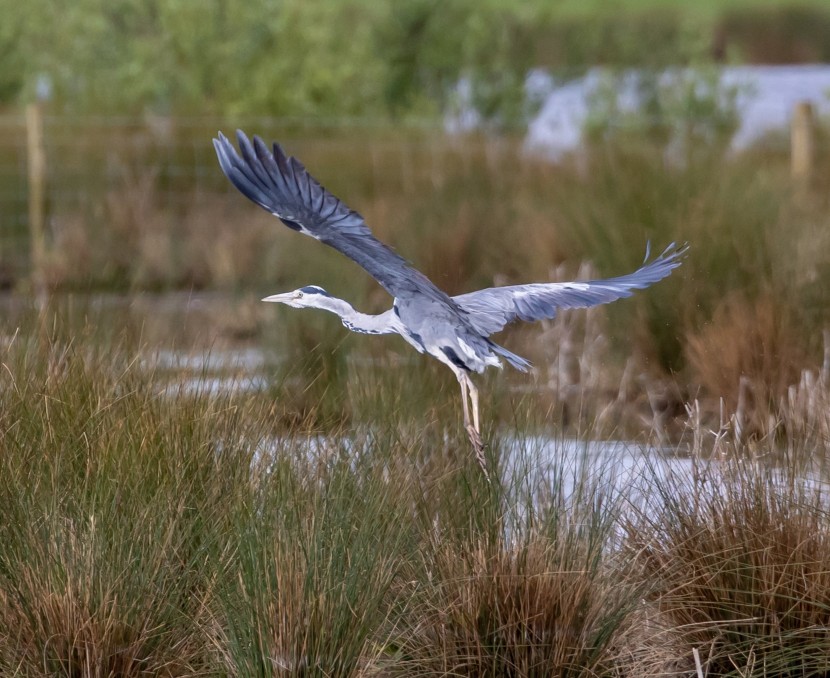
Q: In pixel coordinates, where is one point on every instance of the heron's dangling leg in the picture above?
(473, 431)
(474, 401)
(463, 381)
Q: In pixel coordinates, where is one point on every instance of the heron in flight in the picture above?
(454, 330)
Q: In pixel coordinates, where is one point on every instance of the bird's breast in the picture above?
(435, 329)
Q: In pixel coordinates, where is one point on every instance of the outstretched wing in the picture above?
(281, 185)
(491, 309)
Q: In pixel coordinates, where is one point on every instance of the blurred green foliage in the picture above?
(279, 57)
(368, 58)
(174, 55)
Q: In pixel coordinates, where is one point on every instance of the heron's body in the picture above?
(454, 330)
(444, 333)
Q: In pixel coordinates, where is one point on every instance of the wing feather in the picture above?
(490, 310)
(280, 184)
(252, 164)
(267, 161)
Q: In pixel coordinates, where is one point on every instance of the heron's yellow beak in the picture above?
(281, 298)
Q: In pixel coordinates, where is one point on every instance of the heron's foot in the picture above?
(478, 448)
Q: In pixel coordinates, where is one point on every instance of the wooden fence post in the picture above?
(37, 191)
(802, 140)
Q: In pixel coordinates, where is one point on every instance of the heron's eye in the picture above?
(299, 294)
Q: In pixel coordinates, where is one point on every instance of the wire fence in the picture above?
(96, 165)
(129, 169)
(91, 163)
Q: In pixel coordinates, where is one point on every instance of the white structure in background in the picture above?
(463, 117)
(766, 97)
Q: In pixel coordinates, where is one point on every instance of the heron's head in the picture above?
(310, 296)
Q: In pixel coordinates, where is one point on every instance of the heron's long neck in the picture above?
(355, 320)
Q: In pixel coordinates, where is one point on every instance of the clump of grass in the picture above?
(755, 340)
(525, 610)
(728, 313)
(805, 415)
(739, 562)
(314, 557)
(526, 589)
(310, 385)
(112, 497)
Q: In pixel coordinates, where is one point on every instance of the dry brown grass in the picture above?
(805, 413)
(756, 339)
(748, 355)
(543, 607)
(739, 562)
(75, 624)
(127, 234)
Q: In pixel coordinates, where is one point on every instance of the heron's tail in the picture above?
(515, 360)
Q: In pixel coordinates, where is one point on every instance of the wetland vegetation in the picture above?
(194, 483)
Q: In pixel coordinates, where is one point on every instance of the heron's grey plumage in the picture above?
(454, 330)
(490, 310)
(282, 186)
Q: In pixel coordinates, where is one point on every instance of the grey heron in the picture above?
(454, 330)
